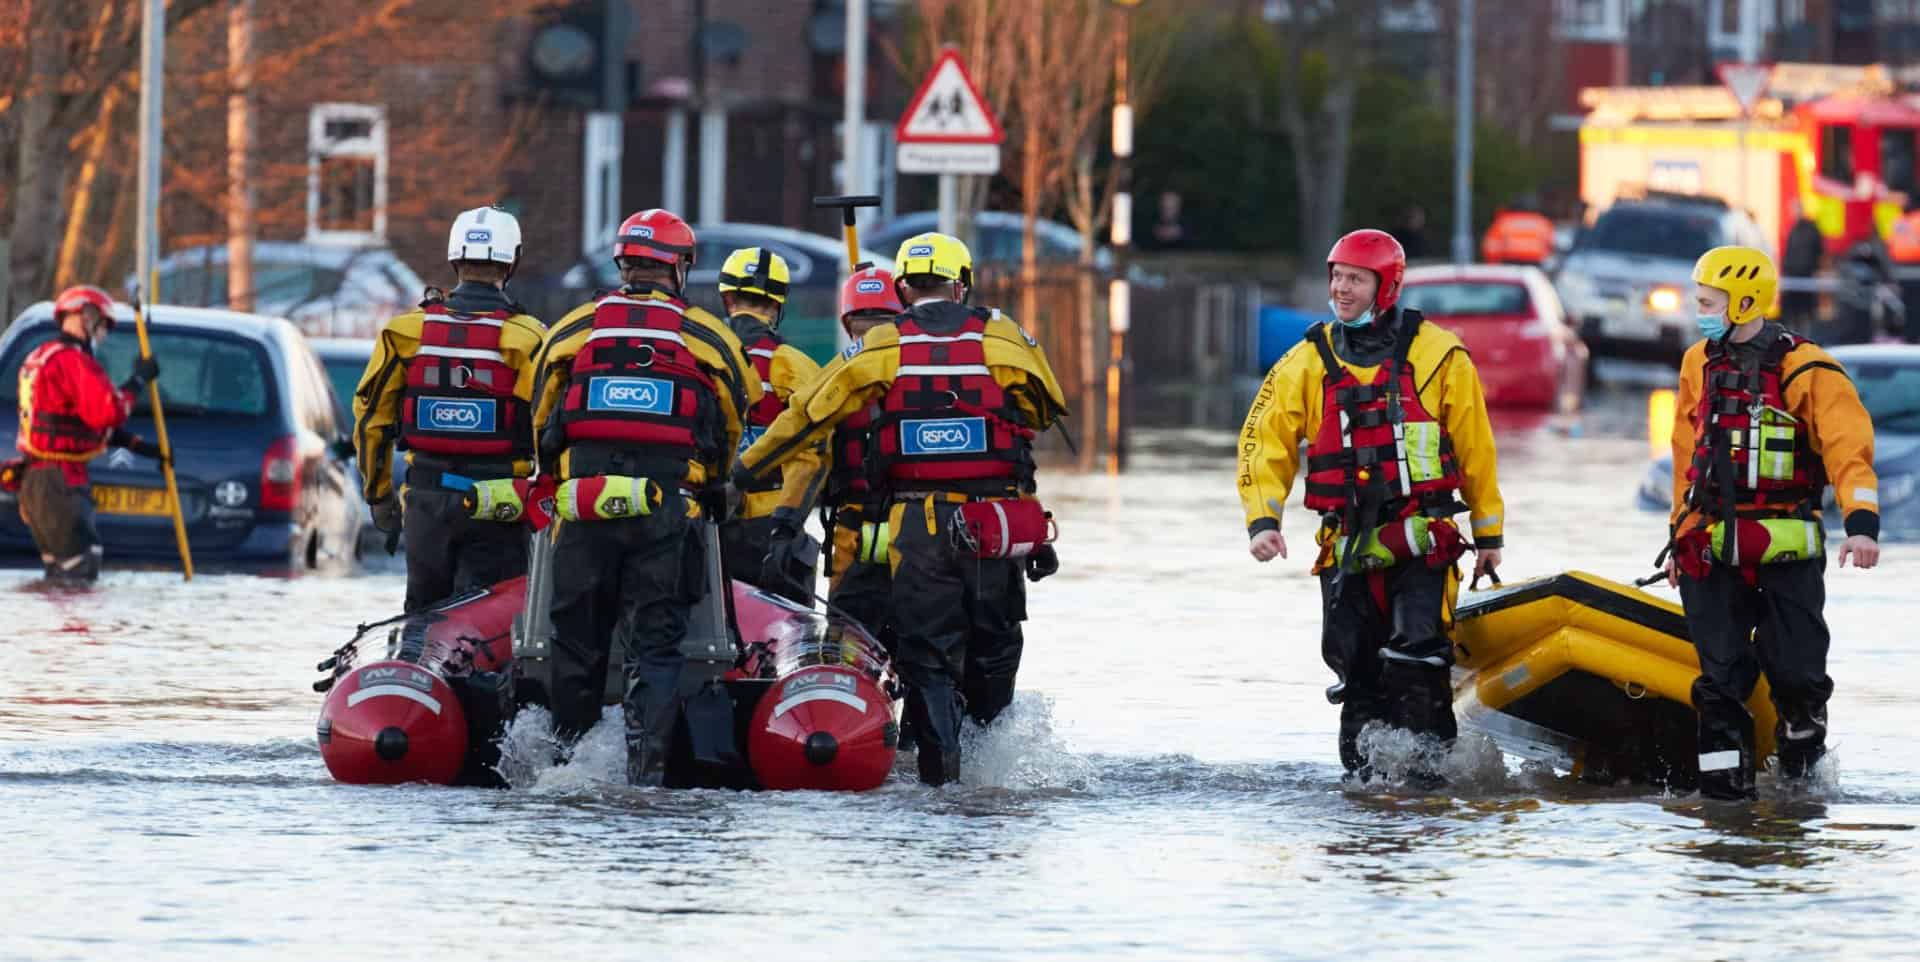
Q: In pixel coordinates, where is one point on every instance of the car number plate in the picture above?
(109, 499)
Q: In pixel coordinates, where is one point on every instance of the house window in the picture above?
(347, 174)
(1591, 21)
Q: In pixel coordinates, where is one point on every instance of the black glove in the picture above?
(782, 543)
(386, 515)
(122, 438)
(145, 369)
(1042, 562)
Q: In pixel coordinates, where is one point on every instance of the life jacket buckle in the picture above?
(643, 355)
(460, 376)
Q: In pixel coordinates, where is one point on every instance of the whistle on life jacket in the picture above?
(1002, 528)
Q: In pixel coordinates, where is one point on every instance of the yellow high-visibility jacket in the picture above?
(710, 341)
(1822, 398)
(376, 402)
(789, 370)
(1287, 412)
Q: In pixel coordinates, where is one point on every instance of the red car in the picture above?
(1512, 322)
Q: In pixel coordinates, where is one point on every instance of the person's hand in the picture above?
(386, 514)
(782, 540)
(1485, 561)
(1267, 545)
(1673, 572)
(1042, 563)
(1864, 551)
(146, 448)
(145, 369)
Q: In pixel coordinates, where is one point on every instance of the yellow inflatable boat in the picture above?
(1588, 675)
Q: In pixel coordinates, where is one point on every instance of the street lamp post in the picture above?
(1119, 294)
(1463, 139)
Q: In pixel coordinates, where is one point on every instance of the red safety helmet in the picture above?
(1377, 251)
(655, 234)
(79, 296)
(869, 289)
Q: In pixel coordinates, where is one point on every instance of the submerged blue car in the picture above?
(1888, 378)
(257, 442)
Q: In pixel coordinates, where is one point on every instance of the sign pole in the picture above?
(949, 204)
(153, 49)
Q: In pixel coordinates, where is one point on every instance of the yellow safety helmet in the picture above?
(1742, 272)
(937, 254)
(756, 270)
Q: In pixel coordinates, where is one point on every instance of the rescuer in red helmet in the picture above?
(639, 405)
(1397, 432)
(70, 413)
(857, 576)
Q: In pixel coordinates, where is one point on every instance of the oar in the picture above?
(848, 203)
(160, 429)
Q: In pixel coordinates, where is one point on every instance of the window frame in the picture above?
(321, 146)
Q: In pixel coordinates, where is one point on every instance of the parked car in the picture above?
(324, 289)
(997, 238)
(1512, 323)
(345, 359)
(1888, 378)
(1626, 281)
(814, 262)
(255, 434)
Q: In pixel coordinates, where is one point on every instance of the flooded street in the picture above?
(1165, 787)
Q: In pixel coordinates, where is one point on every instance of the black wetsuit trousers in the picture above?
(631, 582)
(1393, 661)
(60, 518)
(1776, 626)
(743, 553)
(958, 620)
(449, 552)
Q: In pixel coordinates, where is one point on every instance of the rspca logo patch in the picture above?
(640, 395)
(750, 435)
(852, 349)
(753, 267)
(920, 250)
(463, 415)
(944, 436)
(870, 287)
(645, 233)
(479, 237)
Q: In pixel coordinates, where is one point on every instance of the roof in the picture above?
(198, 318)
(1862, 353)
(1509, 273)
(333, 348)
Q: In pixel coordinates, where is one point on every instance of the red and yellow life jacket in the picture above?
(1752, 455)
(47, 433)
(761, 343)
(945, 421)
(848, 480)
(1379, 454)
(459, 400)
(636, 383)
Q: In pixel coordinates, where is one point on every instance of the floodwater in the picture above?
(1165, 786)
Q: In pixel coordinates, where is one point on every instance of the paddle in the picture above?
(160, 430)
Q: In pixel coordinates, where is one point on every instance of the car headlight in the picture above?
(1896, 488)
(1664, 300)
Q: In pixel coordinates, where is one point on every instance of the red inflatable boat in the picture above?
(809, 699)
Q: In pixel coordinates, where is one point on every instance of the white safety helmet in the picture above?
(484, 234)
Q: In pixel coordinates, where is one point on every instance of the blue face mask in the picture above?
(1365, 318)
(1713, 327)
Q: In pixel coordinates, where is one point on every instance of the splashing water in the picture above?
(1473, 764)
(532, 758)
(1021, 750)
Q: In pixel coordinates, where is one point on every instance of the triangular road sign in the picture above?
(948, 109)
(1746, 81)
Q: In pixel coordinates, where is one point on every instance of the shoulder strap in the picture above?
(1317, 336)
